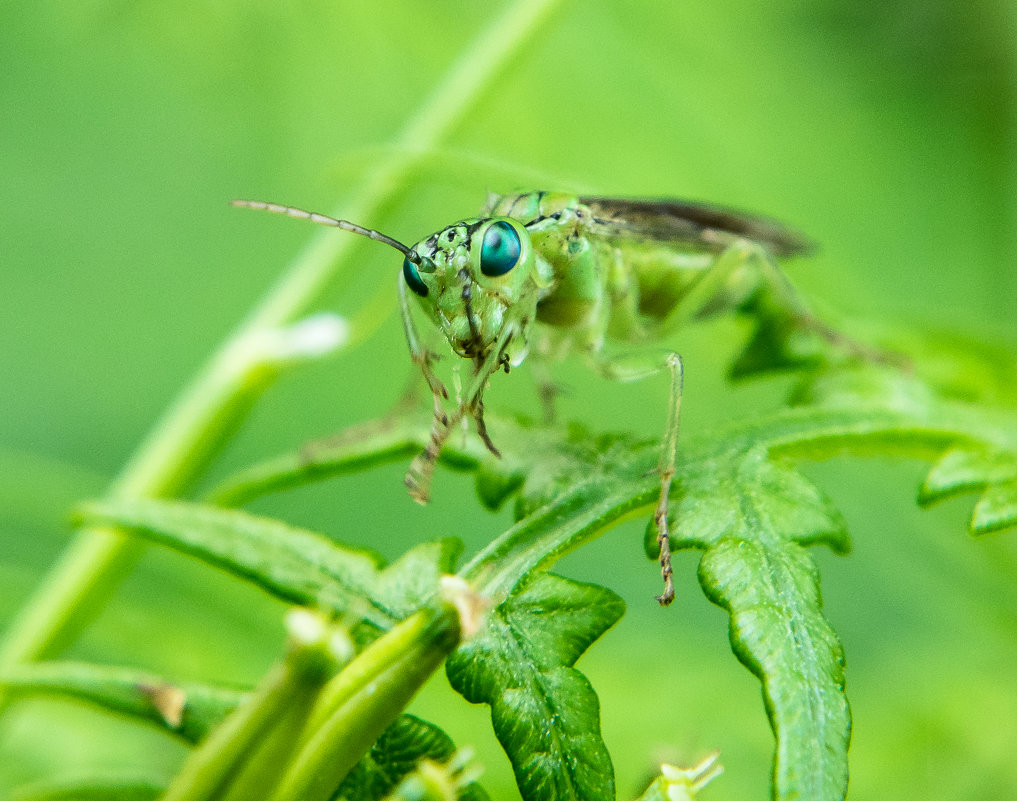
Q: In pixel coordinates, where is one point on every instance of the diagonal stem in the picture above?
(213, 405)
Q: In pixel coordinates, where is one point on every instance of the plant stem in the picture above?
(196, 426)
(246, 746)
(358, 704)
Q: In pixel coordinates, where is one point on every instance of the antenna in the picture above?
(332, 222)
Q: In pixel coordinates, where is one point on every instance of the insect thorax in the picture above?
(530, 208)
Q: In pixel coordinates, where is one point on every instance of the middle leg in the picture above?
(633, 369)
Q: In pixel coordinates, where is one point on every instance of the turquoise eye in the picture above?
(413, 278)
(500, 250)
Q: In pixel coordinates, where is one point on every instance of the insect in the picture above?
(550, 273)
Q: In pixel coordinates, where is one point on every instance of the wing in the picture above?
(712, 227)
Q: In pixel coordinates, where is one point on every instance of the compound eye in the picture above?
(500, 250)
(413, 278)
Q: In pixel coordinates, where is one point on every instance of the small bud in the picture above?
(317, 646)
(684, 784)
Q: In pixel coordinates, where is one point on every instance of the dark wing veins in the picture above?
(667, 220)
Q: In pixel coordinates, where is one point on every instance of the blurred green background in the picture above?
(884, 130)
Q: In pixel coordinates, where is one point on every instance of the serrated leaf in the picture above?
(963, 469)
(294, 564)
(722, 483)
(741, 485)
(771, 591)
(130, 692)
(396, 755)
(996, 509)
(751, 515)
(545, 713)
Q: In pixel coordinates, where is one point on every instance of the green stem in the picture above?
(196, 426)
(178, 448)
(355, 707)
(209, 769)
(258, 777)
(246, 745)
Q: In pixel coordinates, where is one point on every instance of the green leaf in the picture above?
(738, 497)
(996, 509)
(743, 507)
(969, 468)
(965, 469)
(188, 710)
(771, 592)
(396, 437)
(395, 756)
(751, 515)
(294, 564)
(974, 445)
(91, 788)
(545, 713)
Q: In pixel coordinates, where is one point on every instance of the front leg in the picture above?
(418, 477)
(628, 369)
(419, 354)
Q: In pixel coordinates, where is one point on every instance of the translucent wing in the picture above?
(712, 227)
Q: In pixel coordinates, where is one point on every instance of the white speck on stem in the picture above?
(304, 626)
(341, 646)
(312, 337)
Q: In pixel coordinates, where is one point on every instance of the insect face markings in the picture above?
(472, 279)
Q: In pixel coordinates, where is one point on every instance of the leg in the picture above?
(418, 477)
(631, 370)
(550, 347)
(746, 270)
(668, 456)
(548, 389)
(420, 355)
